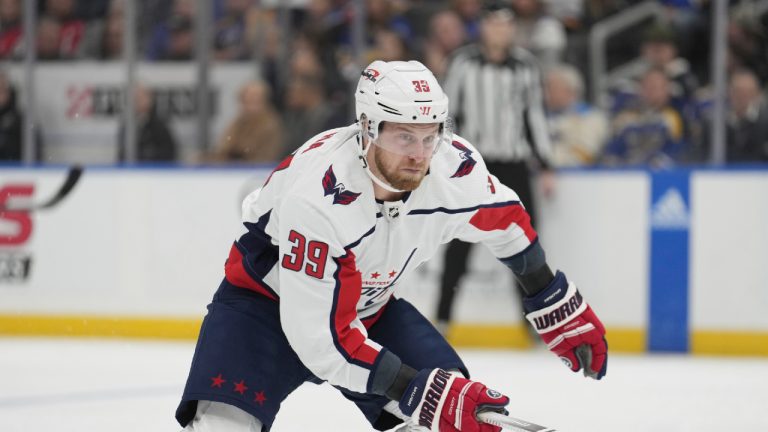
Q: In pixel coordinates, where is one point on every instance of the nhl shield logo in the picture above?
(393, 212)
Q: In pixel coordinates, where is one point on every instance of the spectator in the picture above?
(747, 120)
(685, 16)
(650, 130)
(538, 32)
(11, 122)
(111, 47)
(578, 130)
(469, 12)
(108, 45)
(596, 10)
(386, 14)
(307, 112)
(658, 50)
(172, 39)
(325, 22)
(48, 32)
(12, 126)
(446, 34)
(335, 82)
(181, 40)
(389, 46)
(256, 134)
(154, 139)
(93, 9)
(306, 61)
(10, 29)
(571, 13)
(747, 41)
(577, 18)
(231, 40)
(150, 18)
(72, 29)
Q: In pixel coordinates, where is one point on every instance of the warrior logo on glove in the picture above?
(434, 394)
(561, 314)
(445, 401)
(569, 327)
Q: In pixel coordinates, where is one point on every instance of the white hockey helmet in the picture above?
(400, 92)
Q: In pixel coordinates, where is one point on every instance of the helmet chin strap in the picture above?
(363, 156)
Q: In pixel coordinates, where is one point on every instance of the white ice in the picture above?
(82, 385)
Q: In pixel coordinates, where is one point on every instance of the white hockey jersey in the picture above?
(332, 255)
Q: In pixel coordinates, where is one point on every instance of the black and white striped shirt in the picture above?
(499, 107)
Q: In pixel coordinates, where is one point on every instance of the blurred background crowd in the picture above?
(650, 106)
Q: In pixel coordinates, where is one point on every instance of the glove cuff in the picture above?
(555, 306)
(425, 396)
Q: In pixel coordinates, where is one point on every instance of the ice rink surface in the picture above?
(119, 386)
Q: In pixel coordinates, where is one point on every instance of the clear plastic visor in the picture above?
(414, 140)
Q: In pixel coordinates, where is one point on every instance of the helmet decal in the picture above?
(370, 74)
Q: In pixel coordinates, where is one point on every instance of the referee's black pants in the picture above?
(515, 175)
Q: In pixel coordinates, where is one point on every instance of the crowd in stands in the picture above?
(659, 105)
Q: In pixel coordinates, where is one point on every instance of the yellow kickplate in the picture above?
(729, 342)
(95, 326)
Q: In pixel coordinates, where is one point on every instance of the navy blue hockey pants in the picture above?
(243, 358)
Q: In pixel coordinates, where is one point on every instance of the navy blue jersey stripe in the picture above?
(259, 254)
(357, 242)
(461, 210)
(403, 268)
(260, 226)
(334, 308)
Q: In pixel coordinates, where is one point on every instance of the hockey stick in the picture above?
(73, 176)
(511, 423)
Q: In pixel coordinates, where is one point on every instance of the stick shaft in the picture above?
(511, 423)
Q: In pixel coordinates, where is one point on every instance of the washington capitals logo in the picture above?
(331, 187)
(467, 163)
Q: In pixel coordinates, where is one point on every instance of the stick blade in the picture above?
(73, 176)
(70, 181)
(511, 423)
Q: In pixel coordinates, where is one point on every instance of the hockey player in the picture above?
(309, 292)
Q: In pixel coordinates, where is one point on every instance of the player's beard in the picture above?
(392, 173)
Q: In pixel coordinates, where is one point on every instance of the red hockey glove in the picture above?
(569, 327)
(444, 401)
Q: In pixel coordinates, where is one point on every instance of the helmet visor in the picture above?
(414, 140)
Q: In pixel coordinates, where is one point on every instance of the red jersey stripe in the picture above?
(500, 218)
(235, 274)
(351, 340)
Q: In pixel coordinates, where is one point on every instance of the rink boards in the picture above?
(671, 261)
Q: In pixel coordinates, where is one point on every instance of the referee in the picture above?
(496, 100)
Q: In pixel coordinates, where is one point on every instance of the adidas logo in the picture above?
(670, 211)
